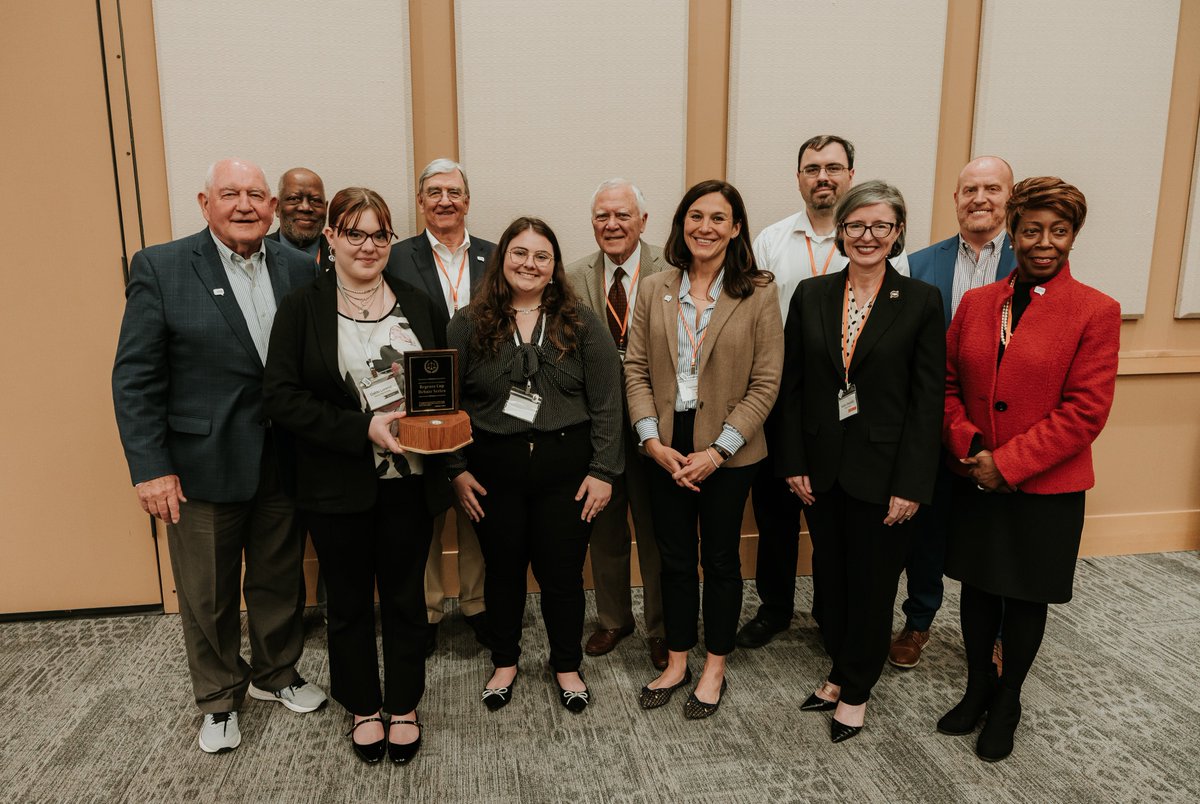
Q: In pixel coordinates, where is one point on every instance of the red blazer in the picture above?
(1040, 410)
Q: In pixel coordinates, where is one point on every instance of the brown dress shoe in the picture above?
(906, 650)
(603, 640)
(658, 652)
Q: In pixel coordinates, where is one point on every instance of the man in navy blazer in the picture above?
(447, 263)
(978, 255)
(301, 214)
(187, 389)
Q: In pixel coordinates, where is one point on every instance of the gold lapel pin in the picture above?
(895, 294)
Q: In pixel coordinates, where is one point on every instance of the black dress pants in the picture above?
(711, 520)
(531, 518)
(856, 565)
(385, 546)
(777, 514)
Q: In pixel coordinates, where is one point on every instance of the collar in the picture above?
(610, 267)
(714, 290)
(444, 250)
(802, 225)
(257, 258)
(996, 242)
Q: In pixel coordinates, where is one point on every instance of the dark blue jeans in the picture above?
(927, 555)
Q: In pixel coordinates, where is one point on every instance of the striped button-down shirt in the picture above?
(971, 272)
(251, 285)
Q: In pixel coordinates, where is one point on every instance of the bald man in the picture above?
(301, 212)
(979, 254)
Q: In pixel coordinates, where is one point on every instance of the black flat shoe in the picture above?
(839, 731)
(996, 739)
(652, 699)
(966, 714)
(498, 697)
(370, 753)
(696, 709)
(401, 753)
(758, 632)
(815, 703)
(575, 702)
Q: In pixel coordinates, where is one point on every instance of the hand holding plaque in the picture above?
(434, 423)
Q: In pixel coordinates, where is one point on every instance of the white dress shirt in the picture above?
(455, 262)
(251, 284)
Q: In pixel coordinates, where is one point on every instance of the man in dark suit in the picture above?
(447, 263)
(979, 254)
(618, 221)
(187, 389)
(301, 214)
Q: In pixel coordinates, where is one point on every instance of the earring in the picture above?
(551, 282)
(331, 253)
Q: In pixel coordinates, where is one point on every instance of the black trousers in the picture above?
(777, 514)
(856, 565)
(531, 518)
(385, 546)
(717, 513)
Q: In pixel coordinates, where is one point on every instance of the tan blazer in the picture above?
(587, 277)
(740, 363)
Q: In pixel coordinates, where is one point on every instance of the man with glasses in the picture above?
(447, 263)
(301, 214)
(607, 281)
(187, 389)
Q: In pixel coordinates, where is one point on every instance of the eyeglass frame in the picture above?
(388, 236)
(546, 260)
(832, 170)
(891, 227)
(435, 193)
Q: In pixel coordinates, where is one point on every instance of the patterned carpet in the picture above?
(100, 710)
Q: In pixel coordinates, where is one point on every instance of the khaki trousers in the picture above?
(470, 569)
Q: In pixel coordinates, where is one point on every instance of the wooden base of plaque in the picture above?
(429, 435)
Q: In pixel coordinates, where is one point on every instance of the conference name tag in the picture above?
(382, 392)
(689, 386)
(847, 402)
(522, 405)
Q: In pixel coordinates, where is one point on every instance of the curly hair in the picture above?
(742, 274)
(1045, 192)
(491, 306)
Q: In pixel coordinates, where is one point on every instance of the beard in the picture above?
(827, 201)
(303, 240)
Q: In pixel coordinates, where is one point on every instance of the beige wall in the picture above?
(698, 76)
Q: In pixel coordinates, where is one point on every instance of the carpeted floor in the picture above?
(100, 710)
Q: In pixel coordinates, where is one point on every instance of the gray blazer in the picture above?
(187, 381)
(587, 277)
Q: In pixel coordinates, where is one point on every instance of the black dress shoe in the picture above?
(431, 639)
(659, 655)
(758, 632)
(839, 731)
(654, 698)
(479, 626)
(815, 703)
(575, 702)
(370, 753)
(401, 753)
(996, 739)
(498, 697)
(696, 709)
(966, 714)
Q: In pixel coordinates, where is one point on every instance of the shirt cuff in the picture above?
(647, 429)
(730, 439)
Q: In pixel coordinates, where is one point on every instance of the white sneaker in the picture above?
(299, 697)
(219, 733)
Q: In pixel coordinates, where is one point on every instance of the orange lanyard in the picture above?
(462, 266)
(696, 344)
(812, 260)
(848, 345)
(624, 322)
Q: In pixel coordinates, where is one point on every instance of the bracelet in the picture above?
(712, 459)
(724, 453)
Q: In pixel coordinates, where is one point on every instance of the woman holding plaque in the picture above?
(331, 381)
(541, 379)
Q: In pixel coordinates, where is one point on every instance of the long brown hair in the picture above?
(742, 274)
(491, 306)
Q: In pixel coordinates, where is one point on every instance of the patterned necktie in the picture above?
(618, 305)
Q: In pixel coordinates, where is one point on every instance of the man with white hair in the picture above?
(607, 281)
(187, 389)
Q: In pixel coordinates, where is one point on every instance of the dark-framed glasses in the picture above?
(857, 229)
(356, 237)
(832, 171)
(542, 259)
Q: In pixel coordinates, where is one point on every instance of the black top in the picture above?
(583, 386)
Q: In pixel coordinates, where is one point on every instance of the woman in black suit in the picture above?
(369, 505)
(859, 437)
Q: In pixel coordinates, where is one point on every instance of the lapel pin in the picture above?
(218, 291)
(479, 257)
(1039, 290)
(667, 298)
(895, 294)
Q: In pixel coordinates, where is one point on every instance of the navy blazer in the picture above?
(323, 261)
(187, 381)
(935, 266)
(411, 260)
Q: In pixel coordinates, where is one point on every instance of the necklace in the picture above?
(527, 310)
(366, 298)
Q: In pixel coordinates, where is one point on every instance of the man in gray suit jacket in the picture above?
(978, 255)
(187, 389)
(608, 281)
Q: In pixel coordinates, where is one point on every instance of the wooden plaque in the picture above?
(430, 435)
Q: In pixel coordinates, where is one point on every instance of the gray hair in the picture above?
(210, 176)
(864, 195)
(621, 184)
(442, 165)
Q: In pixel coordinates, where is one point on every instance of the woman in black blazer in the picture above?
(331, 381)
(859, 437)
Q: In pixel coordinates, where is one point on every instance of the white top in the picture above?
(455, 263)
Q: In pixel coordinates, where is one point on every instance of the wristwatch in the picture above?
(724, 453)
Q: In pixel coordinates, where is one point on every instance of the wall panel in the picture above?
(805, 67)
(558, 98)
(1188, 302)
(1080, 89)
(293, 82)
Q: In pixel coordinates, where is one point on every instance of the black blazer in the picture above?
(411, 260)
(304, 392)
(891, 446)
(323, 262)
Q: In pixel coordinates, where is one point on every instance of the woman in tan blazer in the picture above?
(701, 372)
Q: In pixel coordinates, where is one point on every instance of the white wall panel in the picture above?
(286, 83)
(1188, 303)
(558, 96)
(1080, 89)
(869, 71)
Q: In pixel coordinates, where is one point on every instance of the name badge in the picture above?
(522, 405)
(847, 402)
(689, 386)
(382, 392)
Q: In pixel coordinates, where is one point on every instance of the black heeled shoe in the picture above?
(654, 698)
(840, 732)
(815, 703)
(370, 753)
(575, 702)
(498, 697)
(996, 740)
(966, 714)
(696, 709)
(401, 753)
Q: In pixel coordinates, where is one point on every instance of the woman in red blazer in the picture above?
(1023, 406)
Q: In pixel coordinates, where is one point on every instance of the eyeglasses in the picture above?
(356, 237)
(453, 193)
(832, 171)
(857, 229)
(542, 259)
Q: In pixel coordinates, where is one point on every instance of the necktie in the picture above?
(618, 306)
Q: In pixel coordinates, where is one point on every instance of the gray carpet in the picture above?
(100, 710)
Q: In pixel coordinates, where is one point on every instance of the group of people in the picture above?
(902, 416)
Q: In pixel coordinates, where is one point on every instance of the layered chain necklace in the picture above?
(362, 300)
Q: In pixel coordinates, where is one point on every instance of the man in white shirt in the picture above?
(447, 263)
(607, 281)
